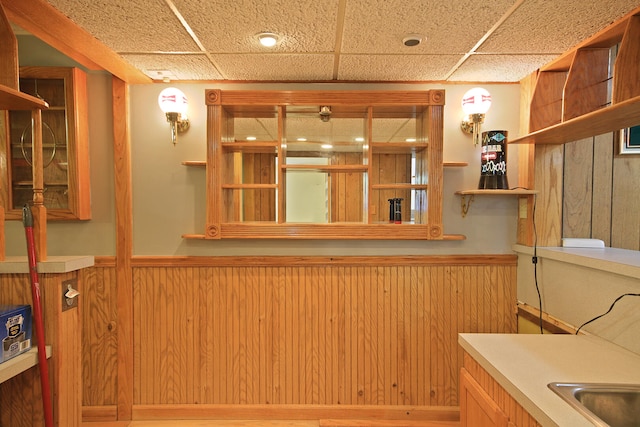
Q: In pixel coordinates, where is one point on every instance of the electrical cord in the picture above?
(608, 311)
(534, 259)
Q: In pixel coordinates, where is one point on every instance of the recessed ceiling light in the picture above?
(412, 40)
(268, 39)
(251, 138)
(326, 146)
(410, 140)
(301, 139)
(359, 139)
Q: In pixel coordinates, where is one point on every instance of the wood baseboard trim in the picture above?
(549, 323)
(296, 412)
(106, 423)
(386, 423)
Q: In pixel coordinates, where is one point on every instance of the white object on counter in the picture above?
(571, 242)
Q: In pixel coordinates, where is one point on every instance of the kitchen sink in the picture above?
(605, 405)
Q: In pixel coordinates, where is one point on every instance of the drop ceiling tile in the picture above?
(182, 67)
(361, 38)
(129, 26)
(396, 67)
(499, 68)
(231, 26)
(542, 26)
(275, 67)
(450, 27)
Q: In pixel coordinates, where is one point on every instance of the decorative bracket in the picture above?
(464, 205)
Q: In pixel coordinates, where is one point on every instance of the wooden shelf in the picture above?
(11, 99)
(516, 192)
(609, 119)
(397, 147)
(201, 163)
(455, 164)
(29, 184)
(399, 186)
(327, 168)
(249, 186)
(581, 96)
(464, 204)
(19, 364)
(252, 147)
(277, 232)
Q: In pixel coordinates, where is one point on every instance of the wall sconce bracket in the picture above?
(471, 125)
(178, 125)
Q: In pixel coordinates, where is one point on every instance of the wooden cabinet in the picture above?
(591, 90)
(477, 409)
(485, 403)
(64, 145)
(324, 164)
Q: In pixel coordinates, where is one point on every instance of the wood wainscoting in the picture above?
(292, 337)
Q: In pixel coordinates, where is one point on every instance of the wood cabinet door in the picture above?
(477, 409)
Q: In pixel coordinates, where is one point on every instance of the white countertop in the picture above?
(625, 262)
(53, 264)
(524, 364)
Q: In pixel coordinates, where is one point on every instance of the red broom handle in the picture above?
(27, 220)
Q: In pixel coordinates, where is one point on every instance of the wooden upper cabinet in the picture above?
(64, 145)
(324, 164)
(592, 90)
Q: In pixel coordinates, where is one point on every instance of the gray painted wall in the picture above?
(169, 198)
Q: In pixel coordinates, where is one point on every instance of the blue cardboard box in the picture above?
(15, 330)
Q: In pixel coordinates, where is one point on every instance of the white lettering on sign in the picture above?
(499, 168)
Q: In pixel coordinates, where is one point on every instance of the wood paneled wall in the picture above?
(99, 339)
(346, 202)
(390, 169)
(289, 330)
(599, 192)
(258, 205)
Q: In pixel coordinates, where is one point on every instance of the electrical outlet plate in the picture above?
(69, 303)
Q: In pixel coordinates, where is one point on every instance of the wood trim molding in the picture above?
(549, 323)
(296, 412)
(261, 261)
(124, 245)
(104, 261)
(44, 21)
(8, 53)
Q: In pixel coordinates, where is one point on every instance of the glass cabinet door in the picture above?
(64, 145)
(54, 146)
